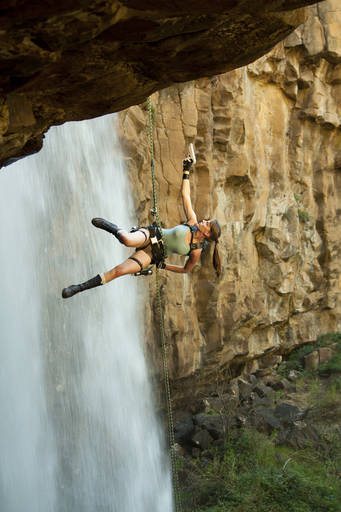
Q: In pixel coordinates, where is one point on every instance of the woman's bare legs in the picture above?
(136, 239)
(129, 266)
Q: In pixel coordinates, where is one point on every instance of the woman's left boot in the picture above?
(107, 226)
(76, 288)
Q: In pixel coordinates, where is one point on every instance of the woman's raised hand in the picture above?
(187, 163)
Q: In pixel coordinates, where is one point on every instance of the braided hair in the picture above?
(215, 234)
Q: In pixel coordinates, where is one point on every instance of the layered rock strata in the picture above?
(74, 60)
(268, 144)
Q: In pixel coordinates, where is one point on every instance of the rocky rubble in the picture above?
(271, 404)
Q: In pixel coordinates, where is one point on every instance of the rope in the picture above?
(174, 462)
(155, 210)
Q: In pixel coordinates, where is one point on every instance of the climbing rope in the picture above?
(173, 456)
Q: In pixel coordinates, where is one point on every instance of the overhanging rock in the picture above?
(73, 60)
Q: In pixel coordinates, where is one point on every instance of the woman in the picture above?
(151, 247)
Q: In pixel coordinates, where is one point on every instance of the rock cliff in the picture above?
(72, 60)
(268, 144)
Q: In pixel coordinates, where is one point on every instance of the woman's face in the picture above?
(205, 227)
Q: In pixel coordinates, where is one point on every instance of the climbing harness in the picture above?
(157, 224)
(158, 251)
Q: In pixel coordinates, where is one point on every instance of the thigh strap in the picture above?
(137, 261)
(145, 236)
(136, 228)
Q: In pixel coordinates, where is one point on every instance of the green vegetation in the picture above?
(253, 474)
(296, 359)
(303, 215)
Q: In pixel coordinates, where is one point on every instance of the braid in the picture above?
(215, 234)
(216, 259)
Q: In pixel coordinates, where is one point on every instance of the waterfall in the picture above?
(78, 432)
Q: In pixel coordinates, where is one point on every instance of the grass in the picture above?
(252, 473)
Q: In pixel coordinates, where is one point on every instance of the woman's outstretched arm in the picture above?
(193, 258)
(186, 194)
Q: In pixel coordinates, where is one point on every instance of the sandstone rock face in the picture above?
(268, 144)
(71, 60)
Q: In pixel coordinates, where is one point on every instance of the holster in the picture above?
(158, 251)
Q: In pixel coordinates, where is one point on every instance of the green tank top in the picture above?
(175, 239)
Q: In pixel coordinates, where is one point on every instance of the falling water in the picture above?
(77, 429)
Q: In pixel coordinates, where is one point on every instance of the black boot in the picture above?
(76, 288)
(107, 226)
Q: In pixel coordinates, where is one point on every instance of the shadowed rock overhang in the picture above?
(72, 60)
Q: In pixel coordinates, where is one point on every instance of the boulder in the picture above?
(265, 420)
(294, 375)
(215, 424)
(325, 354)
(183, 428)
(311, 361)
(219, 403)
(202, 439)
(263, 391)
(252, 379)
(233, 390)
(263, 372)
(241, 420)
(281, 385)
(299, 435)
(196, 452)
(245, 389)
(287, 413)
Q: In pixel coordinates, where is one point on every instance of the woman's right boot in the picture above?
(76, 288)
(107, 226)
